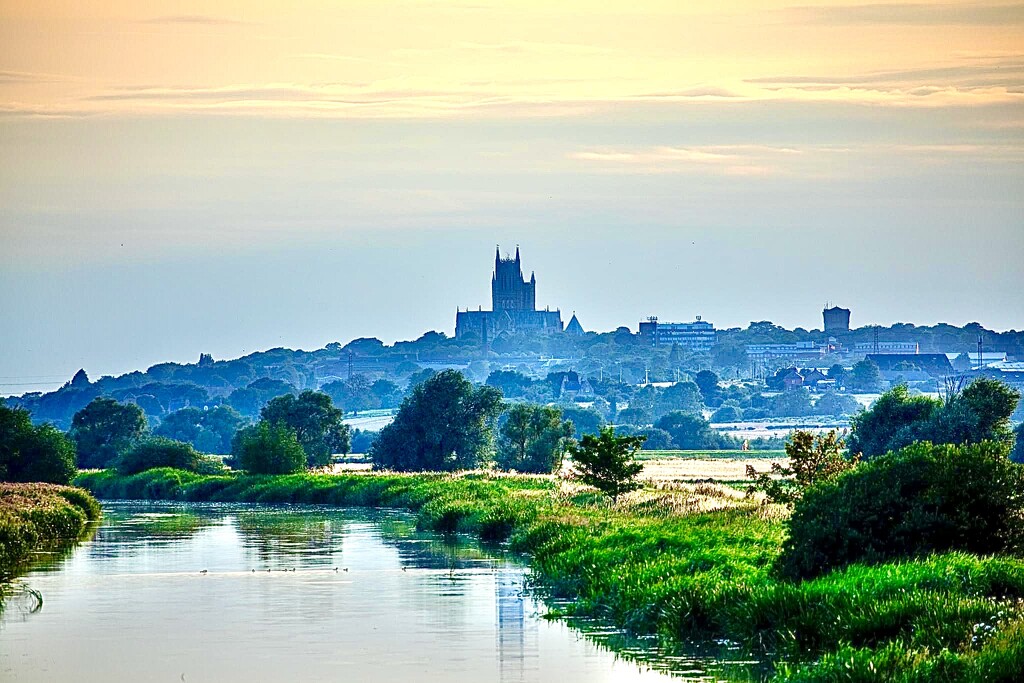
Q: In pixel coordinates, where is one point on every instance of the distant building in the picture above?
(805, 350)
(574, 328)
(935, 365)
(698, 336)
(886, 347)
(836, 319)
(513, 306)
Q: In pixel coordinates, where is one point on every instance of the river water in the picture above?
(223, 593)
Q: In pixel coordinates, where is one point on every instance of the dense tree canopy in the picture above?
(316, 422)
(104, 430)
(865, 376)
(532, 438)
(209, 431)
(33, 453)
(980, 412)
(162, 452)
(444, 424)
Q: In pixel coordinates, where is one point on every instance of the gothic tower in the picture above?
(509, 289)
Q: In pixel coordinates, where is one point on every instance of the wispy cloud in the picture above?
(923, 14)
(509, 48)
(196, 19)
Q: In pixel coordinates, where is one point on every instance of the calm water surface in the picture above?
(132, 605)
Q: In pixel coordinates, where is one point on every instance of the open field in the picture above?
(686, 562)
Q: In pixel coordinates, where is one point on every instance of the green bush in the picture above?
(30, 453)
(269, 449)
(161, 452)
(925, 498)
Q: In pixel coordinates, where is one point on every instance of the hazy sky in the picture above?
(223, 177)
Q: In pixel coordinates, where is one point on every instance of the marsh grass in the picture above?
(686, 563)
(40, 516)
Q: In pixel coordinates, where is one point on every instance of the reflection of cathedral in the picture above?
(513, 306)
(518, 657)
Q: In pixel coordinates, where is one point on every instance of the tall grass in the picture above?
(34, 516)
(655, 570)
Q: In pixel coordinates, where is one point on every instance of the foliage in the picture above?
(249, 400)
(608, 462)
(269, 448)
(209, 431)
(532, 439)
(865, 376)
(812, 459)
(727, 413)
(693, 432)
(836, 404)
(39, 516)
(444, 424)
(923, 499)
(1017, 455)
(979, 413)
(655, 439)
(684, 397)
(104, 430)
(33, 453)
(315, 421)
(162, 452)
(791, 403)
(584, 421)
(512, 384)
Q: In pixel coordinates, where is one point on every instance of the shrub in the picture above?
(812, 459)
(269, 449)
(160, 452)
(925, 498)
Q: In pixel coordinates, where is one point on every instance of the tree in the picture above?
(608, 462)
(682, 396)
(707, 381)
(584, 421)
(865, 376)
(316, 422)
(793, 403)
(837, 405)
(812, 459)
(980, 412)
(266, 448)
(161, 452)
(838, 373)
(511, 383)
(692, 432)
(532, 439)
(33, 453)
(1018, 447)
(655, 439)
(250, 400)
(209, 431)
(727, 413)
(104, 430)
(444, 424)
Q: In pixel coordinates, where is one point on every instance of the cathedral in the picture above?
(513, 306)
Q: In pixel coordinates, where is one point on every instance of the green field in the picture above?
(687, 578)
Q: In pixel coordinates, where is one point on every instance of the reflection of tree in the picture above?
(51, 559)
(125, 529)
(314, 535)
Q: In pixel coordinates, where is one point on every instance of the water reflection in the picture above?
(247, 593)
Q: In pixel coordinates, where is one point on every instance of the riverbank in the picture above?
(688, 563)
(36, 516)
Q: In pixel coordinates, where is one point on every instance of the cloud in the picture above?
(925, 14)
(509, 48)
(28, 77)
(196, 19)
(733, 160)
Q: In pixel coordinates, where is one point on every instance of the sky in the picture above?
(229, 176)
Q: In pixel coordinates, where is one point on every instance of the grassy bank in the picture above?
(661, 563)
(35, 516)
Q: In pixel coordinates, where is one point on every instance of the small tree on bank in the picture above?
(33, 453)
(608, 462)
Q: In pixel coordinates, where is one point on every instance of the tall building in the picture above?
(836, 319)
(513, 306)
(696, 336)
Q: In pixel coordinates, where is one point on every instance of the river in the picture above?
(222, 593)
